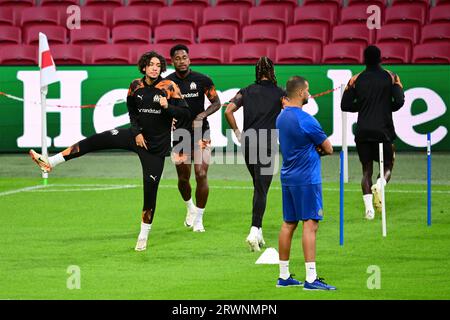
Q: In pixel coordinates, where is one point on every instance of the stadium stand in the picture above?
(286, 4)
(432, 53)
(226, 14)
(298, 53)
(399, 33)
(10, 35)
(19, 55)
(308, 33)
(207, 53)
(436, 32)
(353, 33)
(111, 54)
(395, 53)
(248, 53)
(138, 16)
(222, 34)
(140, 34)
(263, 33)
(339, 53)
(68, 54)
(243, 4)
(55, 34)
(174, 33)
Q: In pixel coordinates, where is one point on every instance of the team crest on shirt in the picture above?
(156, 99)
(114, 132)
(193, 86)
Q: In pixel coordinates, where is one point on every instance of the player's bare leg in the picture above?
(284, 250)
(366, 184)
(184, 186)
(201, 165)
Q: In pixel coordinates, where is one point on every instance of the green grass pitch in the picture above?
(89, 216)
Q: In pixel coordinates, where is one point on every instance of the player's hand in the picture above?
(319, 150)
(174, 123)
(197, 123)
(163, 102)
(238, 135)
(140, 141)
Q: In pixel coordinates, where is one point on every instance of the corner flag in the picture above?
(46, 63)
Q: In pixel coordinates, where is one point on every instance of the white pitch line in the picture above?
(21, 190)
(116, 187)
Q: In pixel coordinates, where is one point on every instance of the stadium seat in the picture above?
(298, 53)
(270, 14)
(59, 3)
(131, 34)
(263, 33)
(68, 54)
(438, 53)
(355, 33)
(111, 54)
(93, 16)
(249, 53)
(406, 13)
(343, 53)
(395, 53)
(380, 3)
(425, 4)
(139, 16)
(163, 49)
(243, 4)
(356, 14)
(440, 13)
(336, 4)
(207, 53)
(437, 32)
(55, 34)
(441, 2)
(104, 3)
(226, 14)
(149, 3)
(6, 16)
(39, 16)
(181, 16)
(194, 3)
(399, 33)
(17, 3)
(90, 35)
(219, 33)
(174, 33)
(323, 15)
(10, 35)
(308, 33)
(19, 55)
(287, 4)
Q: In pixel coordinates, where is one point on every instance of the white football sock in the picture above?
(311, 273)
(254, 231)
(368, 201)
(145, 229)
(190, 204)
(284, 269)
(56, 159)
(200, 212)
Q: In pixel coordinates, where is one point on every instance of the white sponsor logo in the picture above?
(193, 86)
(153, 177)
(190, 95)
(156, 98)
(150, 110)
(140, 96)
(114, 132)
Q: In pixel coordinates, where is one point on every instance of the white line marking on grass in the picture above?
(90, 187)
(21, 190)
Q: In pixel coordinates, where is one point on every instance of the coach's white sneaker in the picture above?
(261, 241)
(190, 217)
(376, 191)
(370, 214)
(253, 239)
(40, 161)
(141, 244)
(198, 223)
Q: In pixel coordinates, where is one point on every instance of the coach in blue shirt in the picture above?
(302, 142)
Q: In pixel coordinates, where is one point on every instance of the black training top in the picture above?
(374, 93)
(149, 118)
(193, 89)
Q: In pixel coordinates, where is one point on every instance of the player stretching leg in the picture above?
(152, 104)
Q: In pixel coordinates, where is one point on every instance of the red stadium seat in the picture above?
(399, 33)
(424, 3)
(131, 34)
(406, 13)
(10, 35)
(380, 3)
(243, 4)
(68, 54)
(139, 16)
(59, 3)
(111, 54)
(263, 33)
(181, 16)
(40, 16)
(287, 4)
(55, 34)
(174, 33)
(104, 3)
(219, 33)
(18, 3)
(226, 14)
(89, 35)
(343, 53)
(335, 4)
(149, 3)
(395, 53)
(6, 16)
(207, 53)
(249, 53)
(317, 14)
(270, 14)
(308, 33)
(355, 33)
(195, 3)
(440, 13)
(437, 32)
(19, 55)
(93, 16)
(298, 53)
(438, 53)
(441, 2)
(162, 49)
(356, 14)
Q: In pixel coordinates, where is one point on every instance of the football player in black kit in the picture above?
(191, 138)
(152, 104)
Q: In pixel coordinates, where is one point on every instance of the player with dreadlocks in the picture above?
(261, 102)
(152, 104)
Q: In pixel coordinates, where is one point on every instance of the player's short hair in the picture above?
(265, 68)
(372, 56)
(178, 47)
(144, 61)
(294, 83)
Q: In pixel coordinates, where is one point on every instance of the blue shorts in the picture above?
(301, 203)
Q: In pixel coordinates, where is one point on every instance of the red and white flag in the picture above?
(46, 63)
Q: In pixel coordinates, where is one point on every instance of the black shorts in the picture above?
(369, 151)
